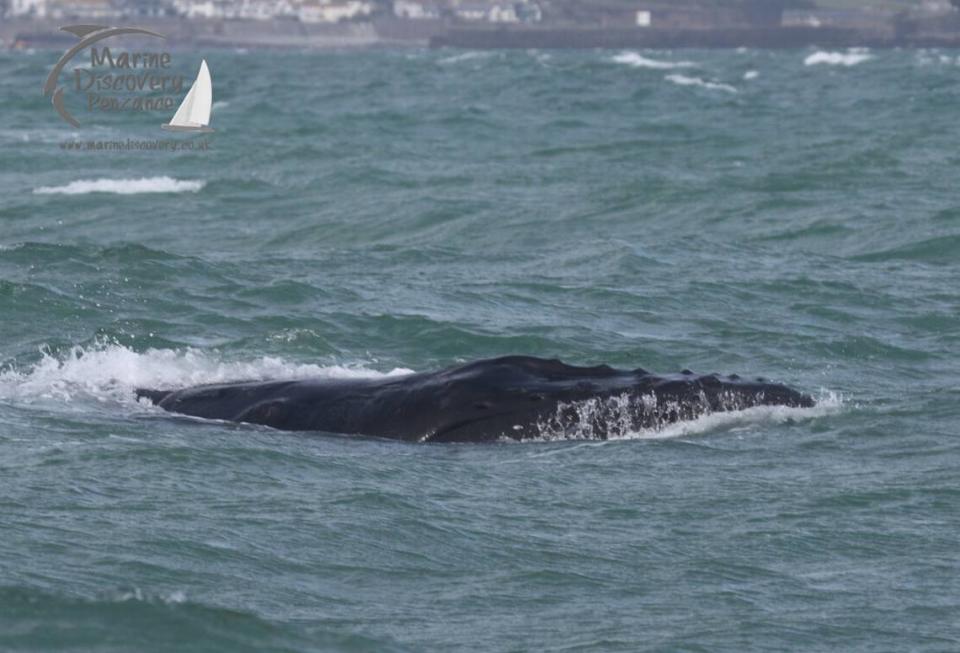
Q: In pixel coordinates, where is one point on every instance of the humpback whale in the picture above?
(513, 397)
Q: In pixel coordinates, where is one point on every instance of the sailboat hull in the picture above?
(187, 128)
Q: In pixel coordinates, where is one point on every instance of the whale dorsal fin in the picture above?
(82, 30)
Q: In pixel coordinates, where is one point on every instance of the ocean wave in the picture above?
(111, 372)
(926, 58)
(123, 186)
(683, 80)
(466, 56)
(637, 60)
(541, 57)
(939, 250)
(850, 58)
(36, 135)
(750, 74)
(32, 619)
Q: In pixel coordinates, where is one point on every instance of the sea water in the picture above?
(793, 215)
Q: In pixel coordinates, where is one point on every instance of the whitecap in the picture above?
(637, 60)
(828, 403)
(138, 595)
(466, 56)
(36, 135)
(123, 186)
(111, 372)
(850, 58)
(683, 80)
(618, 420)
(541, 57)
(750, 74)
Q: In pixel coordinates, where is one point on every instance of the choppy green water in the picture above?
(361, 213)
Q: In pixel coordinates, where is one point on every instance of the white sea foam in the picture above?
(220, 104)
(930, 57)
(617, 418)
(36, 135)
(751, 74)
(827, 404)
(136, 594)
(123, 186)
(542, 57)
(637, 60)
(683, 80)
(850, 58)
(110, 373)
(466, 56)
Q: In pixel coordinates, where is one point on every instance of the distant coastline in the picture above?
(720, 38)
(393, 32)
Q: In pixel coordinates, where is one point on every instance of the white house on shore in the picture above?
(81, 9)
(27, 8)
(496, 11)
(503, 13)
(416, 10)
(318, 11)
(264, 9)
(307, 11)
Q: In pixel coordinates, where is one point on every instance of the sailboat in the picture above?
(194, 112)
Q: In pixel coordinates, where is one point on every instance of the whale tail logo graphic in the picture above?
(88, 35)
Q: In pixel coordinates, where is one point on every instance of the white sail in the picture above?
(194, 111)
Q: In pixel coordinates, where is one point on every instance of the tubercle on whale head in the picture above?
(781, 395)
(722, 392)
(601, 406)
(764, 393)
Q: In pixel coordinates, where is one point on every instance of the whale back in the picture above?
(516, 397)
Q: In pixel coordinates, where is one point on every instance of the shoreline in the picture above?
(388, 32)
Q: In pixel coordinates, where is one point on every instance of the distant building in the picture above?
(205, 8)
(414, 10)
(662, 15)
(497, 11)
(471, 10)
(263, 9)
(27, 8)
(82, 9)
(332, 11)
(529, 12)
(937, 7)
(307, 11)
(148, 8)
(503, 13)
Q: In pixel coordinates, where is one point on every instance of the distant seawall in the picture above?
(386, 32)
(759, 37)
(205, 33)
(649, 38)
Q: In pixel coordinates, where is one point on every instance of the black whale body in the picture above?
(515, 397)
